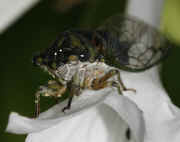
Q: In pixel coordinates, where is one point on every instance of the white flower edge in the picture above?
(11, 11)
(52, 123)
(129, 112)
(51, 116)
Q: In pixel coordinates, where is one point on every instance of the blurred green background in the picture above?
(38, 28)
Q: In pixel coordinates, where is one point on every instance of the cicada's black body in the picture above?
(123, 42)
(97, 45)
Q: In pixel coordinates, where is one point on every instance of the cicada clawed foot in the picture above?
(68, 105)
(66, 108)
(129, 89)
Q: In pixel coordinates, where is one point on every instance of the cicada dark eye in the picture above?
(55, 54)
(83, 57)
(60, 51)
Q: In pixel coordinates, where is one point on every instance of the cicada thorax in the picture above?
(94, 42)
(105, 47)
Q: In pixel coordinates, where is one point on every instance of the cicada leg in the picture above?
(74, 87)
(100, 83)
(103, 82)
(68, 105)
(122, 84)
(74, 91)
(55, 89)
(52, 89)
(37, 104)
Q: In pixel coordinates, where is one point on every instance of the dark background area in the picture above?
(35, 31)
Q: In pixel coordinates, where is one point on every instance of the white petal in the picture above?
(22, 125)
(130, 113)
(108, 121)
(162, 118)
(105, 122)
(10, 11)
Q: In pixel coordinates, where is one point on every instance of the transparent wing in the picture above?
(145, 45)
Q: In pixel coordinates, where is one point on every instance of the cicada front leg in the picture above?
(37, 104)
(52, 89)
(74, 88)
(74, 91)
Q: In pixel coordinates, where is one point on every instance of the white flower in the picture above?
(105, 116)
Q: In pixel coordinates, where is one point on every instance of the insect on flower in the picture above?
(91, 59)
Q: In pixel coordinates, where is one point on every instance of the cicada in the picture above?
(89, 59)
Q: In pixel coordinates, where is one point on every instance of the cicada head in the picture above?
(67, 49)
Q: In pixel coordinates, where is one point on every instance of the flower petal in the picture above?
(117, 119)
(112, 120)
(12, 10)
(162, 118)
(22, 125)
(130, 113)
